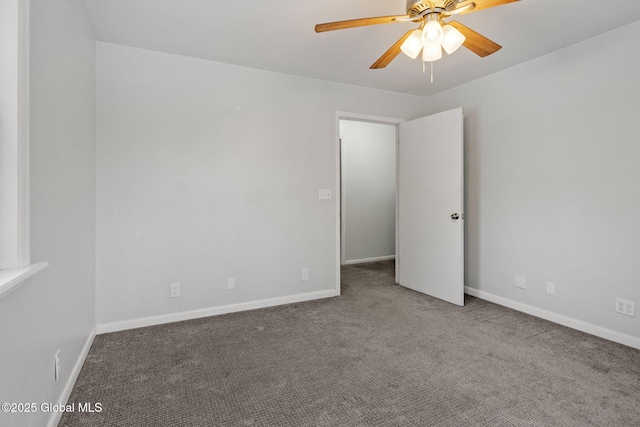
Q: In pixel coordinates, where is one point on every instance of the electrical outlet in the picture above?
(231, 283)
(56, 365)
(630, 308)
(175, 290)
(626, 307)
(519, 282)
(305, 274)
(551, 288)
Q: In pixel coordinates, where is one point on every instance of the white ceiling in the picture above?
(279, 35)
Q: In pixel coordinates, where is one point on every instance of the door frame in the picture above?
(343, 115)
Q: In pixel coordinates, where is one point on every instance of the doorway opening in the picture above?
(429, 181)
(367, 179)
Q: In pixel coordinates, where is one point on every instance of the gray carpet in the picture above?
(380, 355)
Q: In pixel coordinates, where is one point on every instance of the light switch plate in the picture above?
(324, 194)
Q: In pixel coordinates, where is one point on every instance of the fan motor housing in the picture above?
(415, 7)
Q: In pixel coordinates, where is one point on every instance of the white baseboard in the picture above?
(569, 322)
(212, 311)
(365, 260)
(55, 416)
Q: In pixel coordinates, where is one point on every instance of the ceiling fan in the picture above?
(433, 34)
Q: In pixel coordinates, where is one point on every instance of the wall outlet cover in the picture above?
(56, 365)
(551, 288)
(626, 307)
(175, 290)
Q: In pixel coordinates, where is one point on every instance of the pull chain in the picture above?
(424, 69)
(431, 72)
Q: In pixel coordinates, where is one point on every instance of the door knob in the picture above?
(455, 216)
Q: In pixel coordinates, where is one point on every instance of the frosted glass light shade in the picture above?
(412, 45)
(432, 34)
(431, 54)
(452, 39)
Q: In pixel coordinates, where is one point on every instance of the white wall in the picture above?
(9, 125)
(368, 189)
(552, 179)
(55, 309)
(207, 171)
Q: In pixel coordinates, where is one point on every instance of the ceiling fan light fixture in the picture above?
(430, 54)
(413, 44)
(452, 39)
(432, 34)
(430, 15)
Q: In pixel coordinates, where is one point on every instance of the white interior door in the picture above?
(430, 196)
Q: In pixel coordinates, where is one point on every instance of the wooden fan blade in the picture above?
(483, 4)
(341, 25)
(476, 42)
(390, 54)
